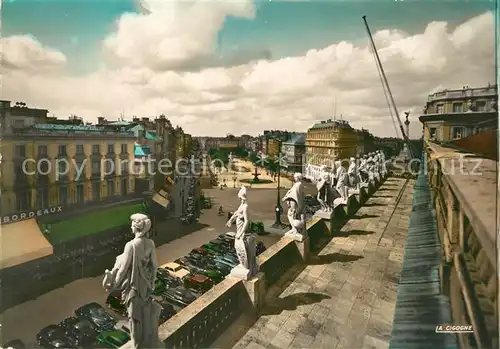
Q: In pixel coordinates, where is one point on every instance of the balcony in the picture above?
(464, 197)
(466, 93)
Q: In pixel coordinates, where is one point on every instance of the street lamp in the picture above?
(278, 209)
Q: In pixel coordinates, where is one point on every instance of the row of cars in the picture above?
(189, 277)
(178, 284)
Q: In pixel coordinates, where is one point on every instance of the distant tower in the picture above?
(407, 124)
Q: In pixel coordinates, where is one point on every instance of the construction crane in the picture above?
(393, 110)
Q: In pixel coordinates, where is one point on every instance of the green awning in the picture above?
(92, 223)
(151, 137)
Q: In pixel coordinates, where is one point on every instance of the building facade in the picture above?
(366, 142)
(454, 114)
(294, 152)
(328, 141)
(48, 162)
(228, 142)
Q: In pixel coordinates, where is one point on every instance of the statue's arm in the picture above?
(126, 263)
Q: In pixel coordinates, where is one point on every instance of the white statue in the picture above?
(294, 199)
(363, 171)
(134, 274)
(324, 186)
(352, 172)
(342, 185)
(383, 162)
(244, 242)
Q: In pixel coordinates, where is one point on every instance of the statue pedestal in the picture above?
(371, 188)
(340, 207)
(256, 288)
(352, 205)
(240, 272)
(325, 214)
(363, 195)
(291, 234)
(304, 249)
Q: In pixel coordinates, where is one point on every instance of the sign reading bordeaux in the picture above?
(16, 217)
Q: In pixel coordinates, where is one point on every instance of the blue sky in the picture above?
(77, 27)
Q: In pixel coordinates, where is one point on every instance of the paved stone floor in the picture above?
(345, 297)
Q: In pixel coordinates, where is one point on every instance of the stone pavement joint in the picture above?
(357, 277)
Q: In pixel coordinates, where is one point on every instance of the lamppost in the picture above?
(278, 209)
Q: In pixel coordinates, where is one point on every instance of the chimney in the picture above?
(101, 120)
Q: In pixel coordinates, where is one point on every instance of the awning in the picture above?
(22, 242)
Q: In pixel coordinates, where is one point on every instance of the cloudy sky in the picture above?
(240, 66)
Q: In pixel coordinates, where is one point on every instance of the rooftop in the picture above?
(297, 139)
(332, 123)
(465, 92)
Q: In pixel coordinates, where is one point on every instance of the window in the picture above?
(62, 150)
(458, 107)
(23, 201)
(20, 151)
(62, 168)
(96, 191)
(124, 149)
(96, 168)
(42, 150)
(433, 133)
(18, 123)
(440, 108)
(125, 167)
(96, 149)
(111, 188)
(111, 148)
(124, 186)
(80, 194)
(110, 167)
(63, 196)
(42, 198)
(480, 106)
(457, 132)
(79, 149)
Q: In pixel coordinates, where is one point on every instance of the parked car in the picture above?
(167, 279)
(97, 315)
(224, 269)
(207, 204)
(199, 251)
(212, 248)
(260, 247)
(53, 336)
(224, 244)
(114, 302)
(175, 270)
(222, 260)
(198, 283)
(160, 287)
(82, 329)
(14, 344)
(113, 338)
(179, 296)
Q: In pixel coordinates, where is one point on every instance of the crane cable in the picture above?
(385, 92)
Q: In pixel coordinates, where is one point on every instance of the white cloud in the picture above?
(290, 93)
(26, 53)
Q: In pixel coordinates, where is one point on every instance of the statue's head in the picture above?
(338, 163)
(352, 159)
(141, 224)
(365, 156)
(297, 176)
(242, 194)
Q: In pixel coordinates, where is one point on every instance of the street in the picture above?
(25, 320)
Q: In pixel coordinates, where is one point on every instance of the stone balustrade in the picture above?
(206, 319)
(464, 194)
